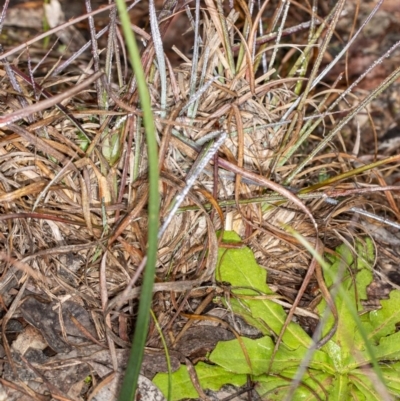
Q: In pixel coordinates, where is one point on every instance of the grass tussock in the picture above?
(74, 157)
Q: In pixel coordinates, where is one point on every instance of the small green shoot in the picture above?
(340, 370)
(82, 141)
(111, 148)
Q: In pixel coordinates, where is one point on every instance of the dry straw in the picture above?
(73, 153)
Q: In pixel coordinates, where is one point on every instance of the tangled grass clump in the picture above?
(93, 158)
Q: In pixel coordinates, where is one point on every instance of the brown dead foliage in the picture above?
(73, 184)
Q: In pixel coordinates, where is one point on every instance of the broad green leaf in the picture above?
(182, 386)
(313, 387)
(340, 389)
(391, 373)
(210, 377)
(364, 383)
(365, 259)
(385, 319)
(214, 377)
(339, 371)
(352, 291)
(342, 361)
(365, 252)
(389, 348)
(286, 358)
(239, 268)
(237, 306)
(364, 380)
(356, 394)
(231, 356)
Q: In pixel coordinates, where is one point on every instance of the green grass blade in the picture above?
(167, 357)
(129, 384)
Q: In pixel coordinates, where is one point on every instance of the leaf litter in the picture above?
(74, 182)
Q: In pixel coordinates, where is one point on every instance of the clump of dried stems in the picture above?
(73, 158)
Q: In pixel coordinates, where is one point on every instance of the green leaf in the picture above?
(237, 306)
(239, 268)
(111, 148)
(385, 319)
(182, 386)
(314, 386)
(340, 389)
(83, 141)
(231, 356)
(352, 291)
(340, 371)
(286, 358)
(210, 377)
(214, 377)
(389, 348)
(392, 377)
(356, 394)
(363, 383)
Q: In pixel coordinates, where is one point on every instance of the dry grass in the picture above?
(73, 171)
